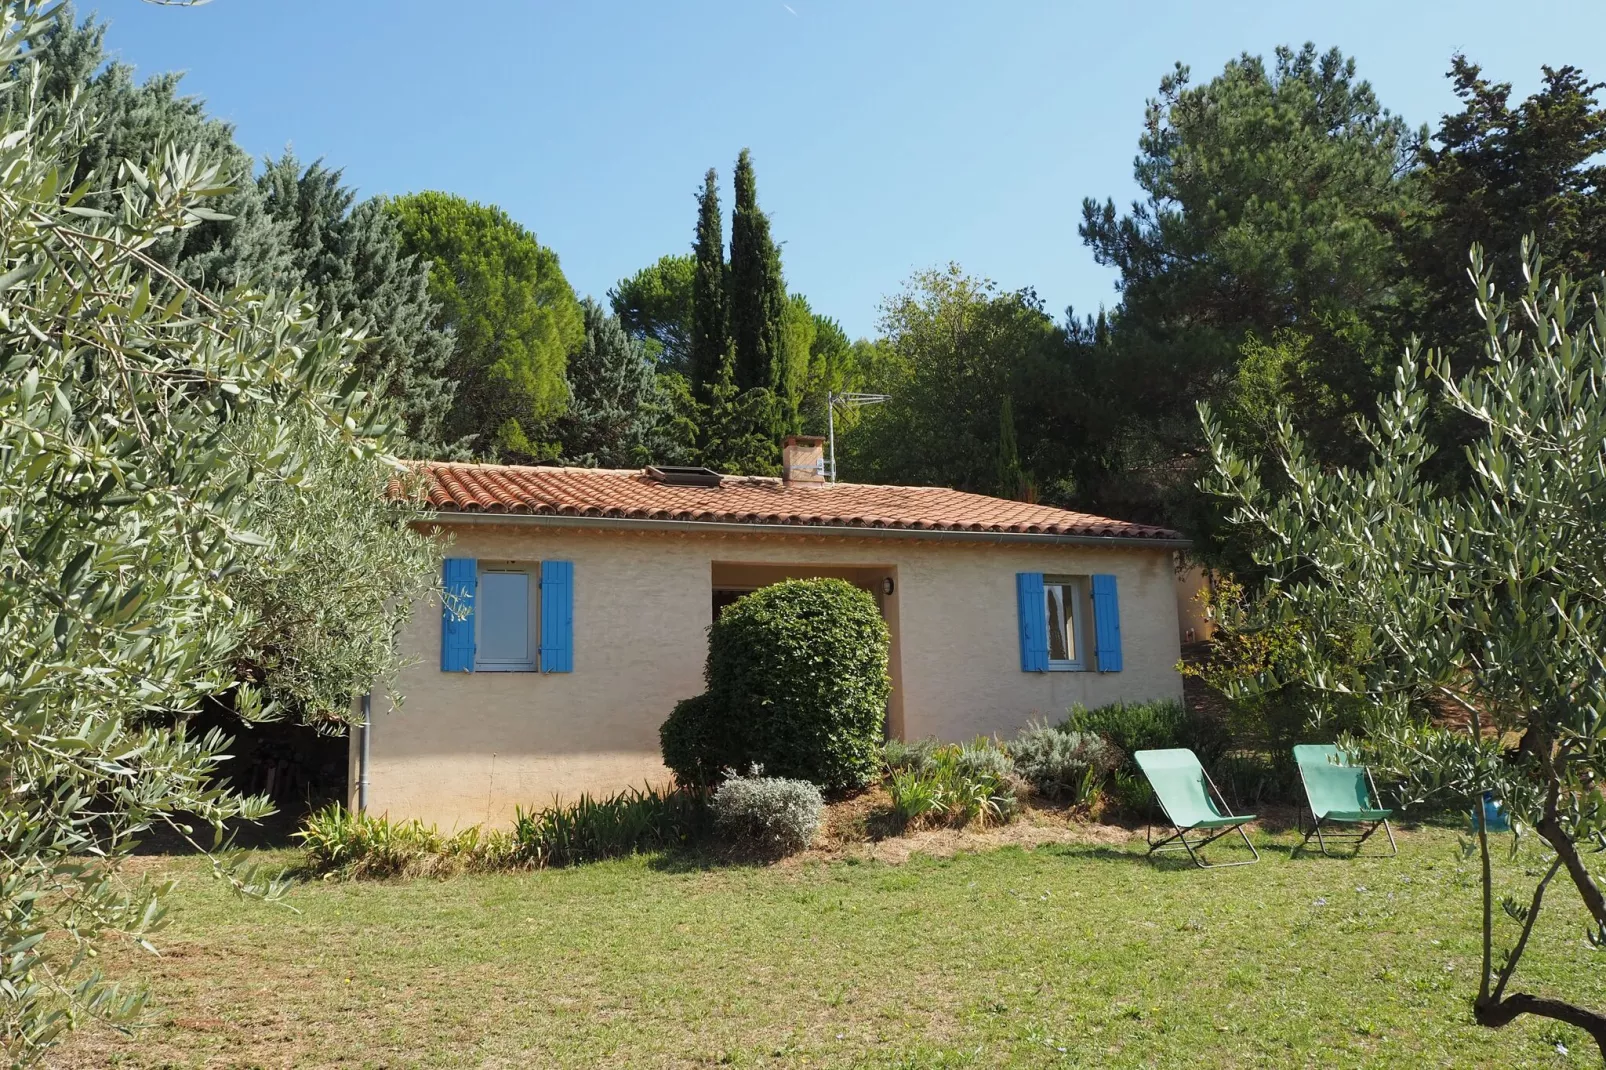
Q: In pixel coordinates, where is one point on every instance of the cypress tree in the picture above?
(757, 298)
(1011, 479)
(710, 323)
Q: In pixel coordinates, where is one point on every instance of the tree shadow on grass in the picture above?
(1137, 854)
(274, 832)
(1277, 839)
(1277, 844)
(707, 856)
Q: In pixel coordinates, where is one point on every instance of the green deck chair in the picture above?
(1192, 804)
(1339, 794)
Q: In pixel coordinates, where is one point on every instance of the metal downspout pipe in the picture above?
(363, 736)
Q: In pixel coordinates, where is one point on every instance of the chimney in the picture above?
(803, 459)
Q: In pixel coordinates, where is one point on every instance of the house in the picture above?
(584, 598)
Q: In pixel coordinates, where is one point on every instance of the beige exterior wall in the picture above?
(466, 748)
(1191, 618)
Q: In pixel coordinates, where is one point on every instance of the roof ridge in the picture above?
(492, 466)
(746, 478)
(469, 486)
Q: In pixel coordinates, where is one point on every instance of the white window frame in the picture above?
(532, 662)
(1079, 587)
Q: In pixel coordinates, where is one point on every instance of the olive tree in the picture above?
(1490, 599)
(340, 569)
(138, 419)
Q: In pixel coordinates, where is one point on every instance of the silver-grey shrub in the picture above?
(986, 757)
(772, 815)
(1062, 764)
(899, 756)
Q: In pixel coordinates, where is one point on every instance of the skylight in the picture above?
(676, 475)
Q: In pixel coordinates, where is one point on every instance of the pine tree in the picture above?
(351, 261)
(757, 299)
(512, 316)
(1494, 172)
(283, 230)
(710, 325)
(612, 395)
(798, 329)
(654, 305)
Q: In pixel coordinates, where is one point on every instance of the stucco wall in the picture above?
(466, 748)
(1191, 618)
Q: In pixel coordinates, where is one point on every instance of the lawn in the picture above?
(1061, 956)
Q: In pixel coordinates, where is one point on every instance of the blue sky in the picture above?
(887, 136)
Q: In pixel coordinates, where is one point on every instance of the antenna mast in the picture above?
(847, 399)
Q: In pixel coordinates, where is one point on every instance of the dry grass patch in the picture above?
(864, 828)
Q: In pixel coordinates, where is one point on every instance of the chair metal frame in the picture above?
(1179, 839)
(1357, 837)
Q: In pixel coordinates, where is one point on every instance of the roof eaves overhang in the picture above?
(545, 520)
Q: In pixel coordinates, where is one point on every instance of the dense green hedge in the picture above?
(797, 683)
(1156, 725)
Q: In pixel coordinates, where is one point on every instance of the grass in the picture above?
(1062, 956)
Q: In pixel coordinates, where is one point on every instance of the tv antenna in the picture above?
(849, 400)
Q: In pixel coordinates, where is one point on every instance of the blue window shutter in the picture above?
(1107, 623)
(557, 616)
(459, 576)
(1033, 622)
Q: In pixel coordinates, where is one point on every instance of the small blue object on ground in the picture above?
(1494, 815)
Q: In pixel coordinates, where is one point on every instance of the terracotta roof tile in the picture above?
(635, 495)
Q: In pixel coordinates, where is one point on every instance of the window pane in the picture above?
(1058, 625)
(1063, 609)
(1072, 595)
(504, 617)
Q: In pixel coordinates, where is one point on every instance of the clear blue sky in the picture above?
(887, 136)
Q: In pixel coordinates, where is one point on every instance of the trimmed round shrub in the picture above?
(771, 815)
(802, 665)
(696, 742)
(797, 683)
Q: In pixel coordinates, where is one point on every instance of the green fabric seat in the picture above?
(1191, 802)
(1339, 793)
(1221, 822)
(1352, 817)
